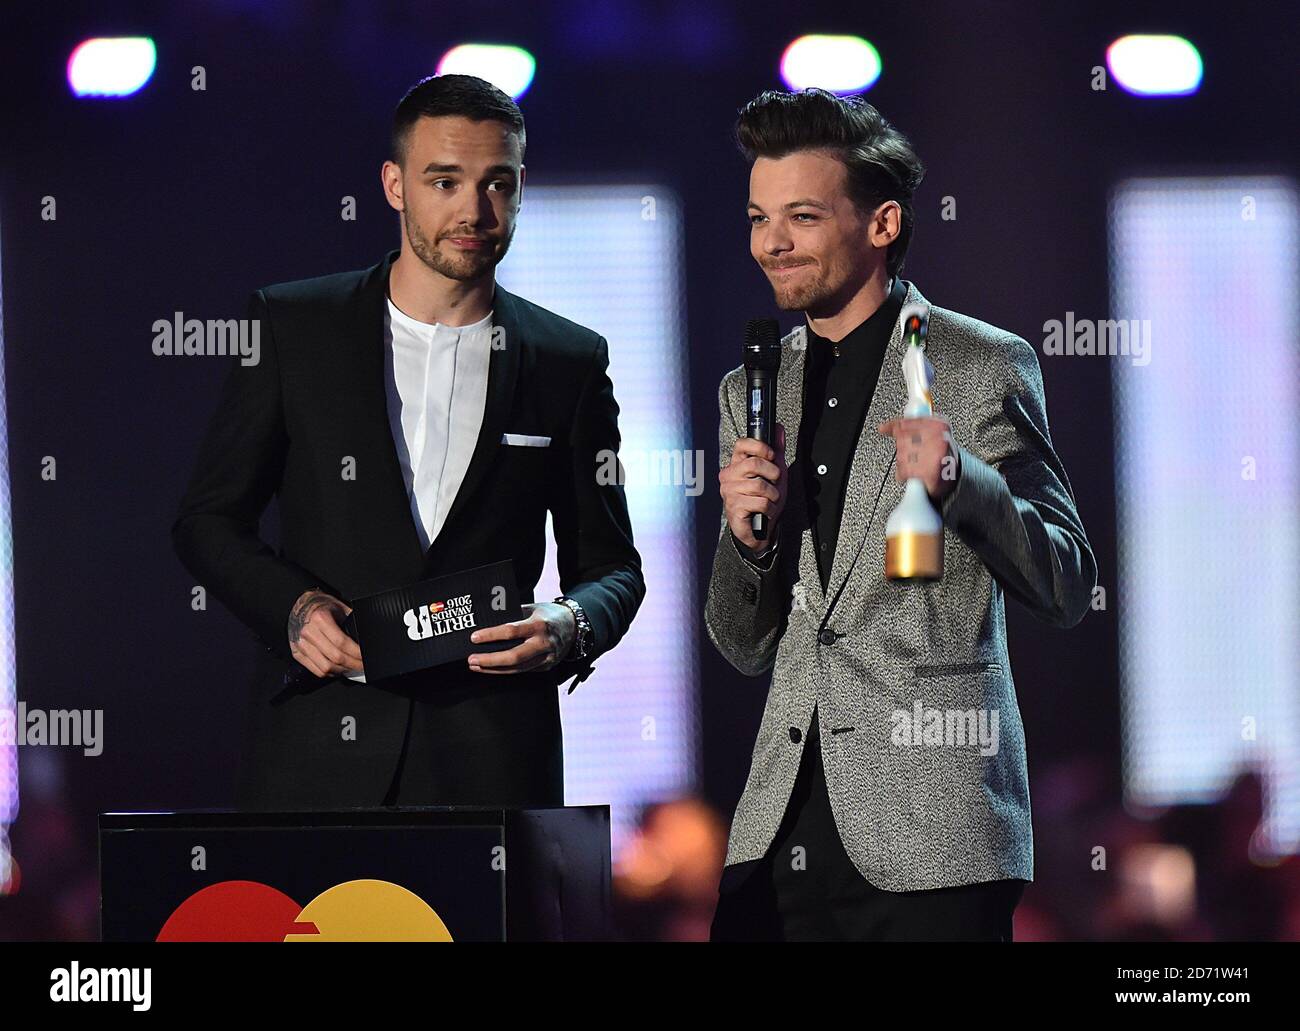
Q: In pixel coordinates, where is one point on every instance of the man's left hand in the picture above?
(925, 450)
(545, 637)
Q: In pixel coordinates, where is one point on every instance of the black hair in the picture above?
(465, 95)
(880, 161)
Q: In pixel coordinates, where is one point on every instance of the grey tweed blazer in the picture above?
(922, 742)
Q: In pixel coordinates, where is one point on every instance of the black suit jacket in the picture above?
(286, 427)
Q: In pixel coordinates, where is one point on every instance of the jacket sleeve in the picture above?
(599, 567)
(745, 612)
(240, 462)
(1012, 504)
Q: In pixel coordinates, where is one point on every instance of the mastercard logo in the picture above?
(354, 911)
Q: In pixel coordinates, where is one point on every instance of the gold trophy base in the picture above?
(914, 556)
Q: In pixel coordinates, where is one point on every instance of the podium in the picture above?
(439, 873)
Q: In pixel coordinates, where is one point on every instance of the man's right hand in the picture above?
(755, 481)
(315, 638)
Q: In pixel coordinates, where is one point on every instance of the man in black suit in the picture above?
(415, 419)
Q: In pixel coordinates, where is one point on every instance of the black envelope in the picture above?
(429, 623)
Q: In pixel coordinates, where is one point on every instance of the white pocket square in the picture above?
(524, 440)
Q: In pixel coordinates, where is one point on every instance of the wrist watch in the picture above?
(582, 639)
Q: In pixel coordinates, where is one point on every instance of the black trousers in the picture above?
(501, 770)
(806, 887)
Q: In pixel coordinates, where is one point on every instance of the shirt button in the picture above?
(796, 735)
(833, 402)
(835, 351)
(821, 470)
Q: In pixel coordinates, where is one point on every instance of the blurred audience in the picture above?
(1104, 872)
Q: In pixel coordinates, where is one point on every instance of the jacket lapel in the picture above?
(391, 503)
(862, 522)
(391, 498)
(503, 370)
(789, 413)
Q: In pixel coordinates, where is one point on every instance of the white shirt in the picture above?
(436, 380)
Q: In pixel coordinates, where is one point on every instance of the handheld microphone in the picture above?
(762, 353)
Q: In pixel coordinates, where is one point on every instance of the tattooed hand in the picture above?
(316, 639)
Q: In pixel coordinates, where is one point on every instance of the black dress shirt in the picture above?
(839, 380)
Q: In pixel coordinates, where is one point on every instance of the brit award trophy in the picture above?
(914, 530)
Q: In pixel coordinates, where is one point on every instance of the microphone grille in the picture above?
(762, 344)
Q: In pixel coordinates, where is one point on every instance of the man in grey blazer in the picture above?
(888, 795)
